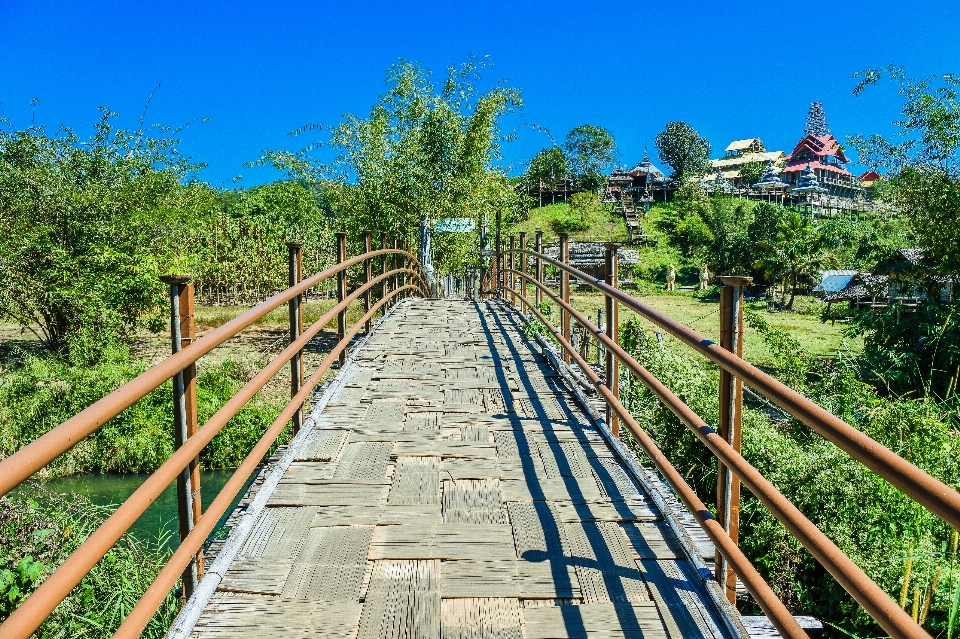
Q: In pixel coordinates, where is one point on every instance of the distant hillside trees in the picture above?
(548, 165)
(684, 150)
(591, 151)
(422, 150)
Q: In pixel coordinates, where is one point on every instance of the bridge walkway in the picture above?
(452, 487)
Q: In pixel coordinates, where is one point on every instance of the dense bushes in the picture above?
(872, 522)
(44, 391)
(915, 353)
(38, 530)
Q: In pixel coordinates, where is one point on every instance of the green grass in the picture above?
(39, 530)
(603, 225)
(702, 315)
(210, 317)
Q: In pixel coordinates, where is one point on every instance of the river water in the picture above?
(113, 489)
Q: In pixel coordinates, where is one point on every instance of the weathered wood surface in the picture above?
(454, 489)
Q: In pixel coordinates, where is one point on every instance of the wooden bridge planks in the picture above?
(454, 490)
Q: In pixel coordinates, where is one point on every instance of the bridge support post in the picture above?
(731, 414)
(522, 258)
(395, 261)
(538, 265)
(499, 253)
(511, 279)
(405, 277)
(383, 268)
(611, 267)
(565, 292)
(341, 293)
(368, 272)
(295, 273)
(182, 334)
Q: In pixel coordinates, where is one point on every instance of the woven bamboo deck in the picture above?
(453, 488)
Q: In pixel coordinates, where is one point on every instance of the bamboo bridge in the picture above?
(462, 477)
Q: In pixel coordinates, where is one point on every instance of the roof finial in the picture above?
(816, 121)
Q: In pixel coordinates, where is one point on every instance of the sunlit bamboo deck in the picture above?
(453, 487)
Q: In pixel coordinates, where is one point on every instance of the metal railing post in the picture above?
(341, 293)
(368, 274)
(600, 347)
(538, 264)
(295, 308)
(612, 365)
(564, 292)
(522, 267)
(731, 414)
(405, 277)
(395, 260)
(383, 267)
(511, 280)
(498, 242)
(182, 334)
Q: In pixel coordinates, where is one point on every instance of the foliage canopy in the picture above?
(423, 150)
(684, 150)
(922, 159)
(591, 150)
(88, 227)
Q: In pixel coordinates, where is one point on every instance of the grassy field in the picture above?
(604, 226)
(703, 316)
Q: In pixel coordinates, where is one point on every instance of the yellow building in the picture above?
(740, 152)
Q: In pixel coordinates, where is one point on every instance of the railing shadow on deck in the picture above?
(510, 282)
(613, 574)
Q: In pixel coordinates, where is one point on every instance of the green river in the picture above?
(161, 516)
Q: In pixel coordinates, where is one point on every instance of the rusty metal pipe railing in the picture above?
(754, 582)
(923, 488)
(874, 600)
(32, 612)
(143, 611)
(21, 465)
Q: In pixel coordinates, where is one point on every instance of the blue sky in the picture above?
(257, 70)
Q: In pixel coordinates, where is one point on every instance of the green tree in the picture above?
(683, 221)
(751, 172)
(795, 254)
(243, 244)
(684, 150)
(922, 161)
(729, 250)
(549, 164)
(765, 222)
(422, 150)
(591, 150)
(861, 240)
(88, 227)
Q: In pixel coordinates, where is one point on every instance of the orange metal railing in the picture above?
(401, 275)
(928, 491)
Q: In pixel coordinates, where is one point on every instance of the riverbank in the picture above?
(158, 524)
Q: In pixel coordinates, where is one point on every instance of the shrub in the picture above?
(39, 530)
(875, 524)
(45, 391)
(568, 222)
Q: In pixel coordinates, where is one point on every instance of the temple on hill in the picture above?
(818, 151)
(644, 182)
(645, 175)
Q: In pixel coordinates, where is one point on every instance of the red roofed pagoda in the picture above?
(824, 156)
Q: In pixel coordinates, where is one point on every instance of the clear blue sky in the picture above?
(259, 69)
